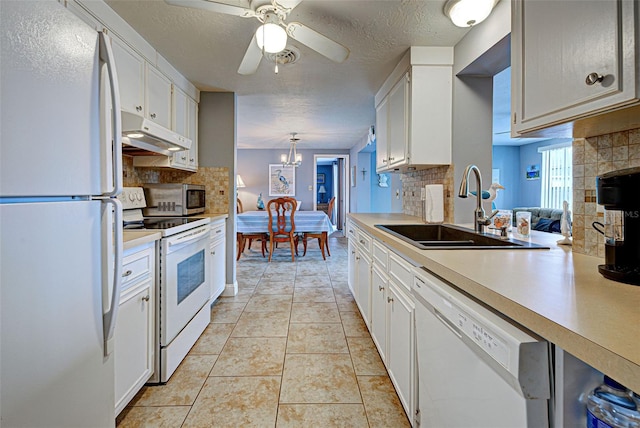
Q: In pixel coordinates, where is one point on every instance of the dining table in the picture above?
(253, 222)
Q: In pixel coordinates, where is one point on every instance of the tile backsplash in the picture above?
(413, 182)
(592, 157)
(215, 180)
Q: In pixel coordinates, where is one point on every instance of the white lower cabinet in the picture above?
(134, 333)
(363, 268)
(217, 267)
(382, 284)
(401, 354)
(351, 266)
(379, 287)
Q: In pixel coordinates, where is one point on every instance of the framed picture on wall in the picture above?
(282, 180)
(321, 178)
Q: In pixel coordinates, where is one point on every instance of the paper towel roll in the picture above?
(434, 203)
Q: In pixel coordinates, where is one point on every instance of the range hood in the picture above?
(140, 133)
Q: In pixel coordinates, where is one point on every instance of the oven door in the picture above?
(184, 287)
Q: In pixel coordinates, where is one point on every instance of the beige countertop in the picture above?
(134, 238)
(557, 294)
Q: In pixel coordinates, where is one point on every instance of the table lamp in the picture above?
(322, 191)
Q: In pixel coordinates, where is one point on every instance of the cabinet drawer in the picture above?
(217, 230)
(380, 255)
(364, 241)
(400, 270)
(136, 266)
(351, 231)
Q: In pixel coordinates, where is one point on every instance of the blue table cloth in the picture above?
(306, 221)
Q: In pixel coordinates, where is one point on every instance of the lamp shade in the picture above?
(239, 182)
(322, 189)
(467, 13)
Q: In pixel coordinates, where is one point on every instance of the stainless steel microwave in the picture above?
(174, 199)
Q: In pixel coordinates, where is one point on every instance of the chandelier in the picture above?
(294, 159)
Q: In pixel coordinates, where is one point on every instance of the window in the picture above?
(556, 176)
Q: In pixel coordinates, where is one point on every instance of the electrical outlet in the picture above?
(311, 188)
(397, 193)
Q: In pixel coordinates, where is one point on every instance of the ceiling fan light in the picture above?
(467, 13)
(271, 37)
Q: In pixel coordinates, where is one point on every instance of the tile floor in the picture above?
(290, 350)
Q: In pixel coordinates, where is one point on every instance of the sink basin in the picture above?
(450, 237)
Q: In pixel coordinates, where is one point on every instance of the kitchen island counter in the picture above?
(555, 293)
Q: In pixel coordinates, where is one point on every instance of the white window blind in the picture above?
(557, 176)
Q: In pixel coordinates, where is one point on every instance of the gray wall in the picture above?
(482, 53)
(253, 167)
(217, 148)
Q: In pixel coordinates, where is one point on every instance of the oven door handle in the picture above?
(193, 236)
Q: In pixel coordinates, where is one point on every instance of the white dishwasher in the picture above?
(475, 369)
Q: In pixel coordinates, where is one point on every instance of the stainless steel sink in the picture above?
(450, 237)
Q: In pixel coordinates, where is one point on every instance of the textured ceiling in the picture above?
(329, 105)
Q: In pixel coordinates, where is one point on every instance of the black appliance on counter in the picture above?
(618, 192)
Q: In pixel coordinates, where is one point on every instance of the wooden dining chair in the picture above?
(242, 238)
(282, 225)
(322, 237)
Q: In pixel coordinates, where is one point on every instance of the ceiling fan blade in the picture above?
(288, 4)
(251, 59)
(213, 6)
(316, 41)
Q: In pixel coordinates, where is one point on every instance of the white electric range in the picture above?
(182, 292)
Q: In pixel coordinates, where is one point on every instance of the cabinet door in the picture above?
(130, 68)
(401, 359)
(134, 342)
(158, 97)
(557, 45)
(363, 263)
(192, 132)
(398, 131)
(379, 285)
(382, 129)
(217, 269)
(351, 268)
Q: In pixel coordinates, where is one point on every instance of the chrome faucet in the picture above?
(479, 220)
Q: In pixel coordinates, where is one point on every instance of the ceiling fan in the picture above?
(272, 14)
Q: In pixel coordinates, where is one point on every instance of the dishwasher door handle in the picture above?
(447, 323)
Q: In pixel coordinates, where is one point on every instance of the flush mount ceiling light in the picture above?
(294, 159)
(270, 36)
(467, 13)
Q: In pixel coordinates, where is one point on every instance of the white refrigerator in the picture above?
(60, 225)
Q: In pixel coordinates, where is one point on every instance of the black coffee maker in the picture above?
(619, 193)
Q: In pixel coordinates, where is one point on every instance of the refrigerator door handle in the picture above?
(106, 55)
(109, 318)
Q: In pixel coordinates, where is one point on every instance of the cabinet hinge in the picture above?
(514, 117)
(416, 419)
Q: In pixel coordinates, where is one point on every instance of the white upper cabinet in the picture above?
(130, 68)
(158, 97)
(185, 122)
(571, 61)
(414, 111)
(192, 132)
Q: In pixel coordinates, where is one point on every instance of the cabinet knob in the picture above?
(127, 273)
(384, 161)
(146, 298)
(153, 115)
(138, 108)
(353, 252)
(183, 158)
(191, 160)
(391, 159)
(380, 288)
(593, 78)
(213, 253)
(357, 257)
(389, 299)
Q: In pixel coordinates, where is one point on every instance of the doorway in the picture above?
(332, 181)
